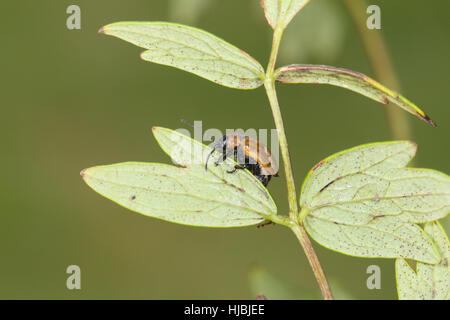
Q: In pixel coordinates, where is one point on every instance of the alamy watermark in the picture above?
(258, 139)
(374, 19)
(73, 21)
(374, 280)
(74, 280)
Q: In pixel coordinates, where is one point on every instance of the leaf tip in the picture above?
(412, 145)
(267, 14)
(155, 130)
(141, 55)
(261, 3)
(106, 29)
(83, 173)
(428, 119)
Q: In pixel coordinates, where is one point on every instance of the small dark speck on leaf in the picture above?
(132, 197)
(380, 215)
(233, 185)
(264, 223)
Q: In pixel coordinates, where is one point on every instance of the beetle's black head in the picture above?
(219, 145)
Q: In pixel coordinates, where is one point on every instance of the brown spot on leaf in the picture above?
(377, 198)
(330, 183)
(318, 165)
(427, 119)
(326, 186)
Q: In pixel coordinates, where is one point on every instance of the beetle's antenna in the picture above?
(207, 158)
(187, 122)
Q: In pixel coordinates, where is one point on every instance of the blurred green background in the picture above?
(75, 99)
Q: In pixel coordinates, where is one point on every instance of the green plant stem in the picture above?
(277, 35)
(381, 65)
(290, 182)
(294, 224)
(269, 84)
(306, 244)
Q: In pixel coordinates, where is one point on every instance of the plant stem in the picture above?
(295, 225)
(381, 65)
(290, 182)
(269, 84)
(303, 238)
(277, 35)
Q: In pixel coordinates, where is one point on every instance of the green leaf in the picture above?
(280, 12)
(364, 202)
(429, 282)
(192, 50)
(185, 194)
(351, 80)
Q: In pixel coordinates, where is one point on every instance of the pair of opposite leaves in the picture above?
(361, 202)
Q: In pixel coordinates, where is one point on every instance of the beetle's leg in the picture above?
(264, 223)
(226, 154)
(207, 159)
(236, 167)
(267, 180)
(241, 158)
(264, 179)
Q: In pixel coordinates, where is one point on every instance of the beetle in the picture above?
(249, 153)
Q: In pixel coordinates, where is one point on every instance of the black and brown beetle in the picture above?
(249, 153)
